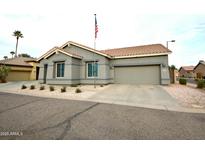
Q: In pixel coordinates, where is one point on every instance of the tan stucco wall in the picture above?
(33, 71)
(200, 69)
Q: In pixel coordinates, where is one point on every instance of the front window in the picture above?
(92, 68)
(60, 67)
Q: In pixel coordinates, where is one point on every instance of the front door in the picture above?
(45, 73)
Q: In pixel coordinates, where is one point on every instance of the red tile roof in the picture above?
(188, 68)
(137, 50)
(200, 62)
(18, 61)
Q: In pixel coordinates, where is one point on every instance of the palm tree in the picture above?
(18, 35)
(12, 53)
(5, 57)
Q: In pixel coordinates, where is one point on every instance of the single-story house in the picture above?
(74, 63)
(21, 68)
(199, 69)
(187, 72)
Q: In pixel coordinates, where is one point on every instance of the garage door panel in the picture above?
(18, 76)
(137, 75)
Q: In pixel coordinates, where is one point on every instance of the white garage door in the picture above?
(137, 75)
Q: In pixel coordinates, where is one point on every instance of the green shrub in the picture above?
(201, 84)
(182, 81)
(42, 87)
(23, 87)
(78, 90)
(32, 87)
(51, 88)
(4, 71)
(63, 89)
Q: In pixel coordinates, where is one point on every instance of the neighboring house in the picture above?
(73, 63)
(22, 68)
(199, 69)
(187, 72)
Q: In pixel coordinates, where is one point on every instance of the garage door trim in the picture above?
(139, 72)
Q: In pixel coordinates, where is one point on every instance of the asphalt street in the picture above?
(28, 117)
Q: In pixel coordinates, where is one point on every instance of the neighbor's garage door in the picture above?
(137, 75)
(18, 76)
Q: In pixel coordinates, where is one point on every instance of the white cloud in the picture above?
(121, 23)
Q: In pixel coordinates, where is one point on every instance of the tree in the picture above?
(12, 53)
(18, 35)
(5, 57)
(173, 67)
(24, 55)
(4, 71)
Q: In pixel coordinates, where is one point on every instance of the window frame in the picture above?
(56, 72)
(93, 63)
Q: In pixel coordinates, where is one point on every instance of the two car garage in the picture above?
(137, 74)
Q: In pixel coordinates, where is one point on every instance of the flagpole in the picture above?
(95, 33)
(94, 54)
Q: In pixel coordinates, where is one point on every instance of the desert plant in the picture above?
(42, 87)
(63, 89)
(4, 71)
(182, 81)
(51, 88)
(78, 90)
(201, 84)
(101, 85)
(32, 87)
(23, 87)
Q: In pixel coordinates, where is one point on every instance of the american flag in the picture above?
(96, 27)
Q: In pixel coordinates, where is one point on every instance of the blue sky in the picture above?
(45, 24)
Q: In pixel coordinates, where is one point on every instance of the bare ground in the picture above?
(189, 95)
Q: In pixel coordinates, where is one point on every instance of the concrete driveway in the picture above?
(150, 96)
(16, 84)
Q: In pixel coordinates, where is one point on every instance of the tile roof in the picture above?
(136, 51)
(188, 68)
(202, 62)
(18, 61)
(153, 49)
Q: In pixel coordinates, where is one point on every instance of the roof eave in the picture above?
(198, 65)
(55, 50)
(86, 48)
(144, 55)
(16, 65)
(45, 54)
